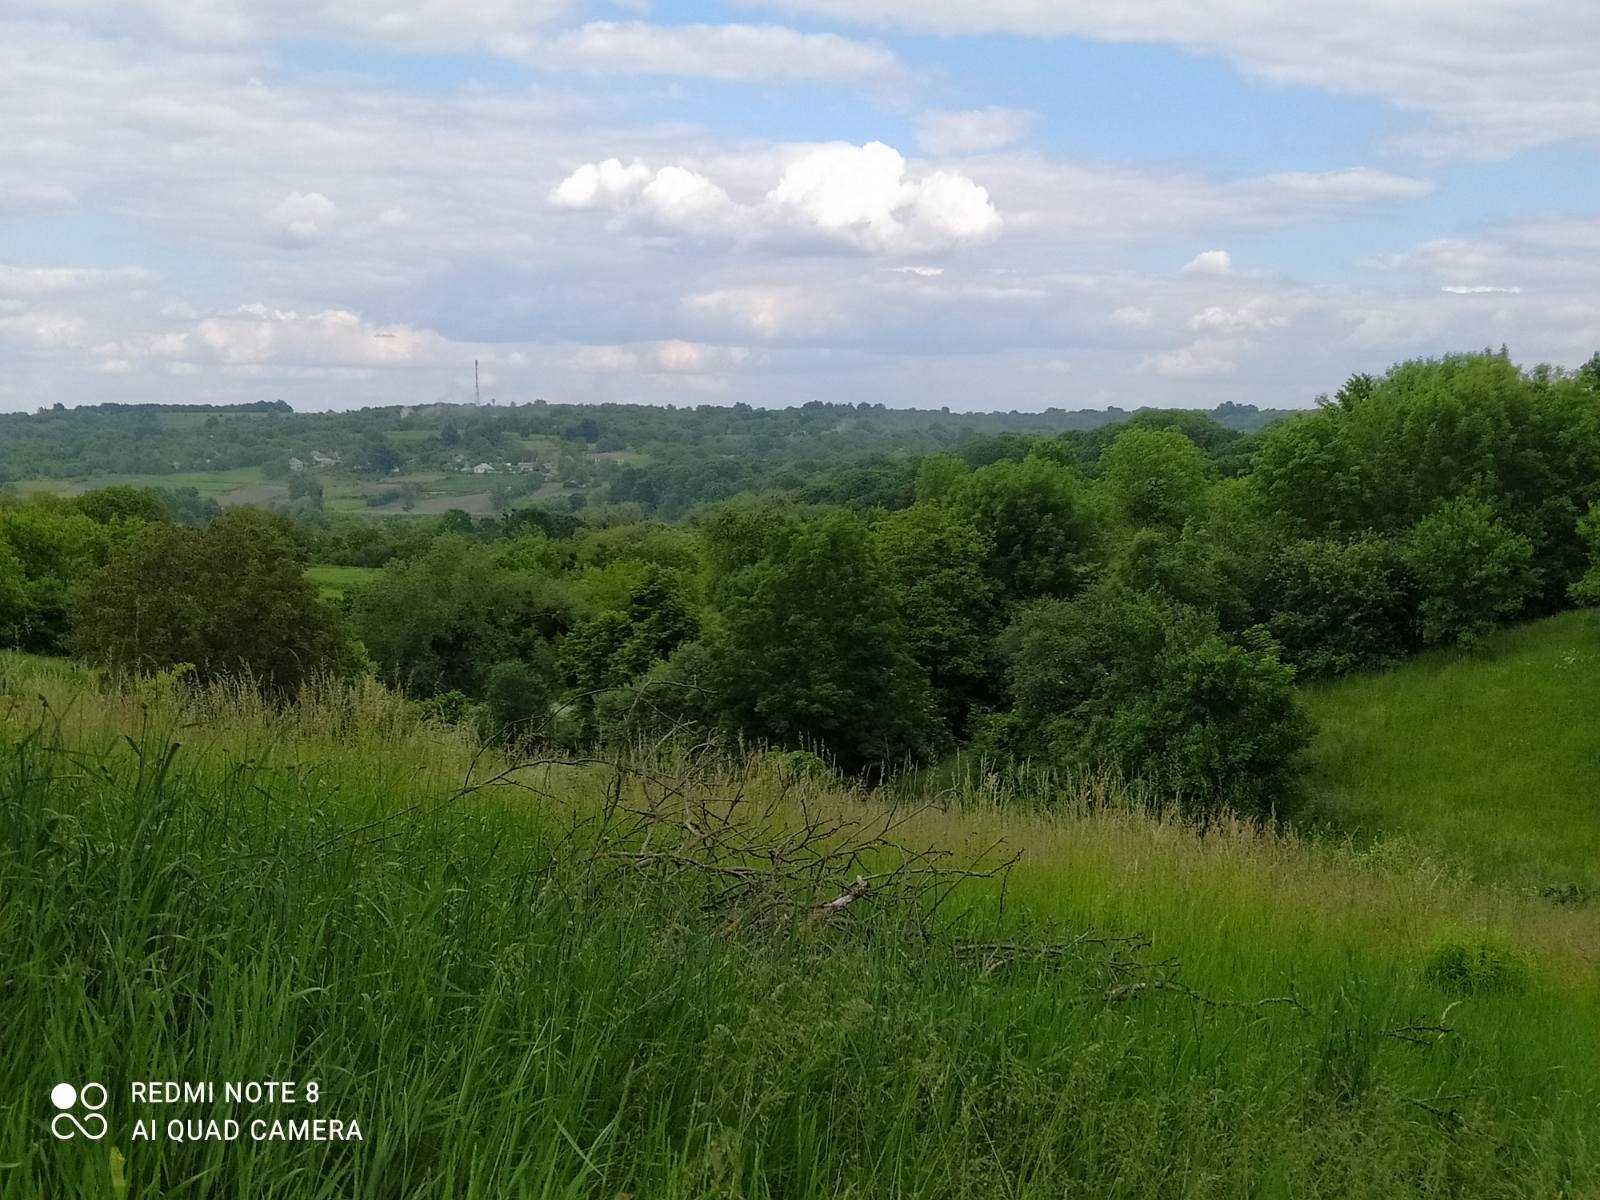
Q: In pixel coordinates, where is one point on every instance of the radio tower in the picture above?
(477, 393)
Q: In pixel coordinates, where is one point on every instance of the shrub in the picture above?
(441, 621)
(517, 698)
(227, 599)
(122, 504)
(672, 698)
(1188, 566)
(810, 650)
(1129, 682)
(1471, 571)
(1339, 606)
(47, 547)
(1462, 966)
(1037, 521)
(1587, 589)
(948, 606)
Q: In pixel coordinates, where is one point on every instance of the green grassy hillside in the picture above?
(334, 583)
(1156, 1009)
(1490, 756)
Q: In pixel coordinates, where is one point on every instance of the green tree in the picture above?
(441, 621)
(15, 606)
(123, 505)
(1587, 589)
(456, 522)
(376, 455)
(1036, 518)
(1154, 477)
(934, 560)
(591, 653)
(229, 599)
(1390, 451)
(809, 650)
(518, 698)
(938, 477)
(306, 488)
(53, 545)
(1472, 572)
(1189, 566)
(661, 617)
(1337, 606)
(1128, 682)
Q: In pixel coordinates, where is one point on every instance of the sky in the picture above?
(978, 204)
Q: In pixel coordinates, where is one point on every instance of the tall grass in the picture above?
(504, 1020)
(1490, 755)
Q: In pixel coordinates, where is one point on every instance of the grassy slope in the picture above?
(1492, 756)
(333, 583)
(501, 1028)
(212, 484)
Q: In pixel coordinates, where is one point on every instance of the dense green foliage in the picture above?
(443, 621)
(886, 587)
(1473, 572)
(229, 599)
(681, 457)
(1124, 681)
(809, 648)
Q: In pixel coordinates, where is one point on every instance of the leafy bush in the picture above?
(948, 606)
(674, 697)
(1037, 519)
(517, 697)
(1463, 966)
(1472, 572)
(47, 546)
(1189, 566)
(443, 620)
(809, 649)
(1129, 682)
(1587, 589)
(227, 599)
(1387, 453)
(1337, 606)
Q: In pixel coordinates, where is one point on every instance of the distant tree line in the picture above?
(1137, 599)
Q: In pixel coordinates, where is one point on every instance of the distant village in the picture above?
(323, 461)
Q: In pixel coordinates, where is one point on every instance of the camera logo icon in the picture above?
(67, 1124)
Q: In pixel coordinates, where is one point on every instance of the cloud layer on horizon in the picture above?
(206, 224)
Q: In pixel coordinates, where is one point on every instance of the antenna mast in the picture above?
(477, 393)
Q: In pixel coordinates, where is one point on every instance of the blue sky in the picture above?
(1000, 204)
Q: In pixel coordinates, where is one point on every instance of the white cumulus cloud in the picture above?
(1259, 313)
(303, 216)
(1209, 262)
(861, 195)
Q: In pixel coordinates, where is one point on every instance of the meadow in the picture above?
(1487, 755)
(199, 885)
(334, 583)
(213, 485)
